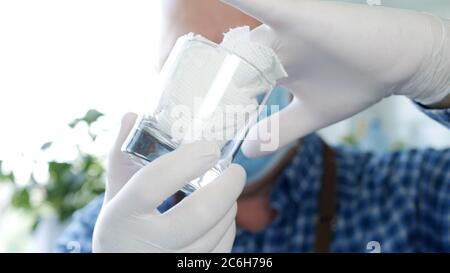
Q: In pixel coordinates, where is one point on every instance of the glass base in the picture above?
(144, 146)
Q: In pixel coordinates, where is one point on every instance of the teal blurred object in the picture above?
(436, 7)
(376, 140)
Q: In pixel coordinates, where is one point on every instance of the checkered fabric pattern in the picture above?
(393, 202)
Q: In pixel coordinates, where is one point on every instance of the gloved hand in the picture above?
(342, 58)
(202, 222)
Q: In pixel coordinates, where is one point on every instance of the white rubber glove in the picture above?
(342, 58)
(202, 222)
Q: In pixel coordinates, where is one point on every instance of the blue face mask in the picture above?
(257, 168)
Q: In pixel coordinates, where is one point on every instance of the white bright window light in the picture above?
(60, 58)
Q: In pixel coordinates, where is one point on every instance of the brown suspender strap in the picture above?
(327, 203)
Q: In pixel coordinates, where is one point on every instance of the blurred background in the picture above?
(70, 69)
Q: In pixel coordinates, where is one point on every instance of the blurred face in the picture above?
(209, 18)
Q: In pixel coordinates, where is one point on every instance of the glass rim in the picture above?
(208, 42)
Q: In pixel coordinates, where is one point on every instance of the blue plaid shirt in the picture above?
(395, 202)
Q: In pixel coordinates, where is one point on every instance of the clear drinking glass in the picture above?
(204, 92)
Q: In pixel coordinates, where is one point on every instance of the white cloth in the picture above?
(208, 92)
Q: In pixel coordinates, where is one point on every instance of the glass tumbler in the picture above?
(204, 92)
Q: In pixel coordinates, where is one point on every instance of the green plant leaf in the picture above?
(90, 117)
(5, 177)
(46, 145)
(74, 122)
(21, 199)
(350, 140)
(71, 185)
(92, 135)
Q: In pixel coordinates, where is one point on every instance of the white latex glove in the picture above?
(202, 222)
(342, 58)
